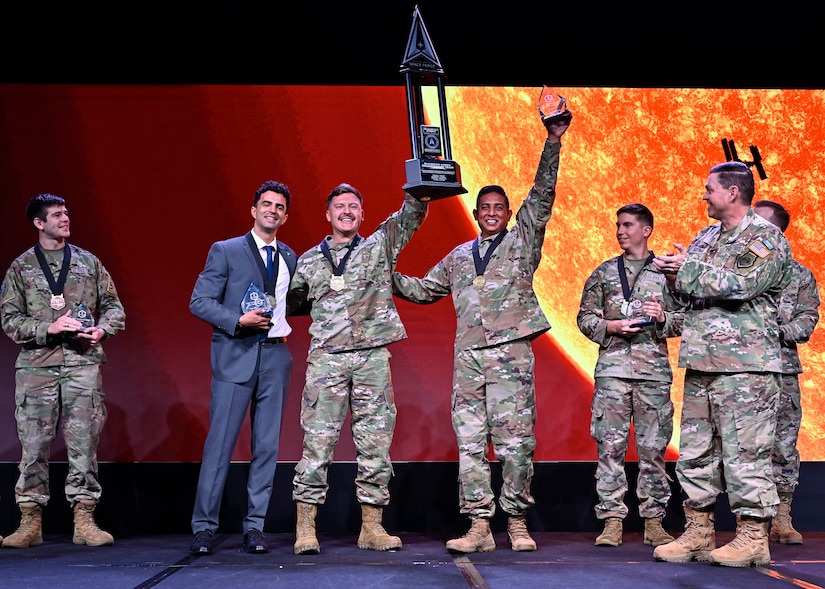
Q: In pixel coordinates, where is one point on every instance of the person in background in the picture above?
(498, 315)
(798, 317)
(345, 282)
(732, 274)
(59, 303)
(626, 309)
(241, 293)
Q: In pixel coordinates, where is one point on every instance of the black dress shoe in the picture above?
(253, 542)
(201, 543)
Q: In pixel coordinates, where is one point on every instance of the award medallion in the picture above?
(478, 282)
(57, 302)
(337, 283)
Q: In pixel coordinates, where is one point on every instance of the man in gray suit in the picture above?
(250, 362)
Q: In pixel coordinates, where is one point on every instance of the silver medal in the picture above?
(57, 302)
(337, 283)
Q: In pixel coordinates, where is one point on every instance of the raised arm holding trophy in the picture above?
(498, 315)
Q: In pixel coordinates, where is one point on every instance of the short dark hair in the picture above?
(640, 211)
(39, 204)
(779, 214)
(492, 188)
(274, 186)
(736, 174)
(343, 188)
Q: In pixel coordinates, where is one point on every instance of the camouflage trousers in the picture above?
(361, 381)
(727, 433)
(616, 402)
(73, 397)
(494, 403)
(785, 456)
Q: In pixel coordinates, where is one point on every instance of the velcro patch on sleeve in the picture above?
(761, 248)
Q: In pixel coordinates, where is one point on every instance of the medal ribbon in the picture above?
(626, 290)
(56, 287)
(338, 270)
(481, 265)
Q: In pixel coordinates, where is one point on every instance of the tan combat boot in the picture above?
(373, 536)
(695, 543)
(750, 546)
(85, 529)
(29, 533)
(655, 534)
(479, 538)
(520, 540)
(305, 540)
(782, 529)
(612, 533)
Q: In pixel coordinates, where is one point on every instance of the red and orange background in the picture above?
(154, 174)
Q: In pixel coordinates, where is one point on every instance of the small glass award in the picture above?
(553, 107)
(632, 309)
(254, 299)
(84, 315)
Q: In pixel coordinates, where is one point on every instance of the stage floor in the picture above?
(562, 560)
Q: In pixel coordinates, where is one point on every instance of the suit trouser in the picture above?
(265, 395)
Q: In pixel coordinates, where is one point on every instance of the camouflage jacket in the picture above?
(363, 314)
(734, 280)
(506, 307)
(26, 314)
(798, 316)
(642, 356)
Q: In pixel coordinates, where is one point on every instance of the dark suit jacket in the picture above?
(230, 266)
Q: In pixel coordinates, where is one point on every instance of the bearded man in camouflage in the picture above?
(346, 280)
(59, 302)
(733, 273)
(498, 315)
(798, 317)
(627, 309)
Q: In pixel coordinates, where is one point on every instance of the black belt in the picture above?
(273, 340)
(727, 305)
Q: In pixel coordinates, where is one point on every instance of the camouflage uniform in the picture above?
(58, 377)
(632, 382)
(730, 349)
(798, 316)
(348, 364)
(493, 381)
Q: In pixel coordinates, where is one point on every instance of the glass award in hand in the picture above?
(255, 299)
(84, 315)
(632, 309)
(553, 107)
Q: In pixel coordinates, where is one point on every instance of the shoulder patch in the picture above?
(4, 288)
(761, 248)
(746, 260)
(110, 288)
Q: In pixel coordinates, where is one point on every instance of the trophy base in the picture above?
(432, 179)
(565, 116)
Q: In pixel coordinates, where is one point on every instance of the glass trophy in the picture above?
(84, 315)
(553, 107)
(634, 312)
(255, 299)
